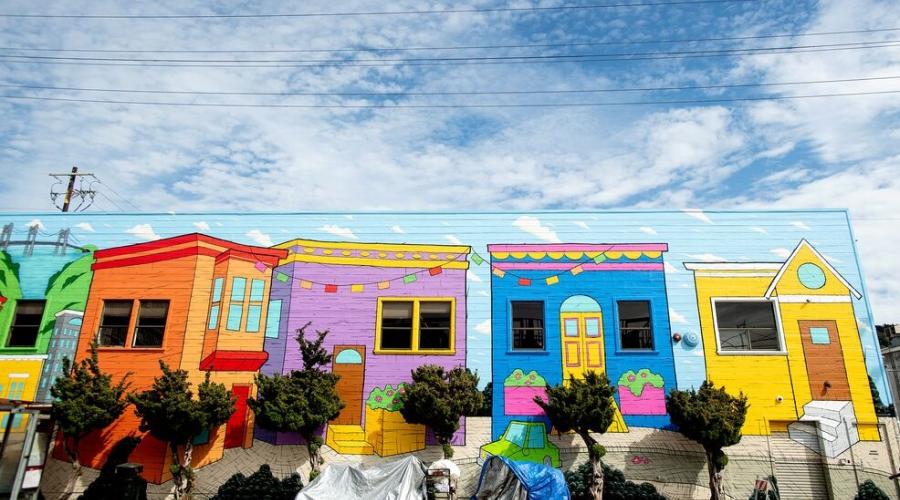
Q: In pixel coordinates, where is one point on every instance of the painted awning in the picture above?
(234, 361)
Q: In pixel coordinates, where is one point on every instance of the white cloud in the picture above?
(343, 232)
(201, 225)
(581, 224)
(85, 226)
(677, 317)
(707, 257)
(259, 237)
(533, 226)
(36, 223)
(170, 212)
(397, 229)
(483, 293)
(669, 268)
(647, 229)
(781, 252)
(759, 230)
(452, 239)
(143, 232)
(484, 327)
(473, 277)
(799, 224)
(698, 214)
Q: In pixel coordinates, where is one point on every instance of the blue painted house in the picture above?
(560, 310)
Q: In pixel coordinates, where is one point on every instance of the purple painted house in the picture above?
(389, 308)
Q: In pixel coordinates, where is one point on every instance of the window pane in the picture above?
(114, 322)
(213, 317)
(434, 325)
(634, 324)
(26, 323)
(819, 335)
(151, 323)
(217, 289)
(235, 312)
(256, 290)
(592, 327)
(515, 434)
(747, 326)
(396, 325)
(253, 315)
(528, 325)
(535, 438)
(238, 285)
(273, 319)
(571, 327)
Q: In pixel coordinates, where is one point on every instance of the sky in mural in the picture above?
(835, 152)
(692, 236)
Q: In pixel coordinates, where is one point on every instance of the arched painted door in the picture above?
(349, 362)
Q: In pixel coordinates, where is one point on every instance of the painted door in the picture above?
(582, 343)
(824, 361)
(236, 430)
(349, 362)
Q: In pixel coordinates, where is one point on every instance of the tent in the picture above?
(398, 480)
(504, 479)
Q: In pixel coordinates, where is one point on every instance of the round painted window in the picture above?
(811, 276)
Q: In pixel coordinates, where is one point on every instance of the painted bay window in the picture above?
(254, 310)
(527, 324)
(114, 323)
(635, 328)
(26, 323)
(419, 325)
(151, 323)
(746, 325)
(236, 306)
(215, 304)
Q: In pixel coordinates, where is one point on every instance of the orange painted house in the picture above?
(196, 302)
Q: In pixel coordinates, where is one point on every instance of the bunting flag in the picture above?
(260, 266)
(306, 284)
(330, 288)
(409, 278)
(499, 272)
(524, 282)
(434, 271)
(280, 276)
(384, 285)
(357, 288)
(576, 270)
(552, 280)
(600, 258)
(477, 259)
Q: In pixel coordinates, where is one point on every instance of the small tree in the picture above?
(262, 484)
(171, 414)
(870, 491)
(713, 418)
(84, 400)
(584, 406)
(302, 402)
(438, 398)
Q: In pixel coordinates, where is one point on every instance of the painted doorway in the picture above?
(236, 430)
(581, 322)
(350, 363)
(824, 361)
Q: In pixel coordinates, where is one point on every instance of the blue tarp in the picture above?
(507, 479)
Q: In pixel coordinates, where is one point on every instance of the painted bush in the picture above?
(386, 430)
(642, 393)
(519, 391)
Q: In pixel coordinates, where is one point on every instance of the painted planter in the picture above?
(642, 393)
(519, 391)
(389, 434)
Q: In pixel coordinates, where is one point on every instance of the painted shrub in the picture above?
(519, 391)
(642, 393)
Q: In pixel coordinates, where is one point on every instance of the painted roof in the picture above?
(584, 257)
(376, 254)
(183, 246)
(805, 244)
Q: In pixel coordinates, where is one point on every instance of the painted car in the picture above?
(524, 442)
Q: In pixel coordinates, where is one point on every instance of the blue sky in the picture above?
(802, 153)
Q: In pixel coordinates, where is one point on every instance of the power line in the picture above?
(670, 3)
(449, 93)
(111, 201)
(107, 186)
(548, 59)
(460, 47)
(451, 106)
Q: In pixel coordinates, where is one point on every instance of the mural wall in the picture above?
(768, 303)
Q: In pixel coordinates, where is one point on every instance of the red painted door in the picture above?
(237, 424)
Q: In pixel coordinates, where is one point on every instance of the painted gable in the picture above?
(803, 273)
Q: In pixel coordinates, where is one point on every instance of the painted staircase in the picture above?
(826, 427)
(348, 440)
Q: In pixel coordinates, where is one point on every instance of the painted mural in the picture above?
(768, 303)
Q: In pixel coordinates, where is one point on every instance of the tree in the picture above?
(584, 406)
(302, 402)
(84, 400)
(881, 409)
(171, 414)
(713, 418)
(438, 398)
(615, 487)
(870, 491)
(262, 484)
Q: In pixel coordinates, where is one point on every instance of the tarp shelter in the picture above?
(504, 479)
(399, 480)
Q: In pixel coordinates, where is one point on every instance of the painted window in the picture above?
(592, 327)
(515, 433)
(254, 310)
(273, 318)
(528, 324)
(635, 329)
(746, 325)
(16, 390)
(151, 323)
(215, 304)
(26, 323)
(571, 327)
(811, 276)
(236, 307)
(415, 325)
(114, 323)
(819, 335)
(535, 438)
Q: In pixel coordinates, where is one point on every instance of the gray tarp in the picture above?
(399, 480)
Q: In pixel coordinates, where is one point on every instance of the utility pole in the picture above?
(69, 189)
(86, 195)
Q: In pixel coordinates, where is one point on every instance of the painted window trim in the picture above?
(134, 324)
(129, 330)
(511, 349)
(619, 348)
(776, 308)
(231, 302)
(415, 327)
(213, 303)
(262, 317)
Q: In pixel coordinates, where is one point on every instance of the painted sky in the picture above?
(692, 236)
(835, 152)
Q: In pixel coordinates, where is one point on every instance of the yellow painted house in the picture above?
(785, 334)
(19, 377)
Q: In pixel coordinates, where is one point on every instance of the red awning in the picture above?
(234, 361)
